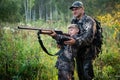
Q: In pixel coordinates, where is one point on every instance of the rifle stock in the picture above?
(43, 31)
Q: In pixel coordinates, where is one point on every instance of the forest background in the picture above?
(21, 57)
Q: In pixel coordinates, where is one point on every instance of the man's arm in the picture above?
(86, 37)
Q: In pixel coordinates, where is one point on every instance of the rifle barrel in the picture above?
(28, 28)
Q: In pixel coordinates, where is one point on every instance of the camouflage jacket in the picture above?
(86, 36)
(65, 59)
(68, 51)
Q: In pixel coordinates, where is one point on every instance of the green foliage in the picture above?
(28, 10)
(21, 57)
(107, 65)
(10, 10)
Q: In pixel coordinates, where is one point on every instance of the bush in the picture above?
(21, 58)
(107, 65)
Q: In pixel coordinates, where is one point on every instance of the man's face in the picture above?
(72, 31)
(77, 11)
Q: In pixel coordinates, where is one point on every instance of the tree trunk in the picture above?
(30, 10)
(26, 10)
(33, 15)
(51, 12)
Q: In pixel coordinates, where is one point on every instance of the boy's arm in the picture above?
(61, 38)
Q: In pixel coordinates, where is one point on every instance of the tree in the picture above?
(28, 5)
(9, 10)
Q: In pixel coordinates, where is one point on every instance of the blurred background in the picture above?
(21, 57)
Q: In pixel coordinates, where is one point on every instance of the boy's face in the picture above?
(73, 31)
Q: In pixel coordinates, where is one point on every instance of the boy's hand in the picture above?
(70, 42)
(53, 34)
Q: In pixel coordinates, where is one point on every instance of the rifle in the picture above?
(44, 31)
(47, 31)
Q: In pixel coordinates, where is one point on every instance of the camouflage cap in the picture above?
(76, 4)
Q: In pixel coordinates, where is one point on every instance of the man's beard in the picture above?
(79, 16)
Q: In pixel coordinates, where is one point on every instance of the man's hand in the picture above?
(70, 42)
(53, 34)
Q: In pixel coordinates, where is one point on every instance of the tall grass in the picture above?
(22, 58)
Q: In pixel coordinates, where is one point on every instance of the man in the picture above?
(65, 62)
(87, 28)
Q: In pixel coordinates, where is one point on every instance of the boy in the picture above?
(65, 62)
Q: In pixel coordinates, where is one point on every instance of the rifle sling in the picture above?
(43, 47)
